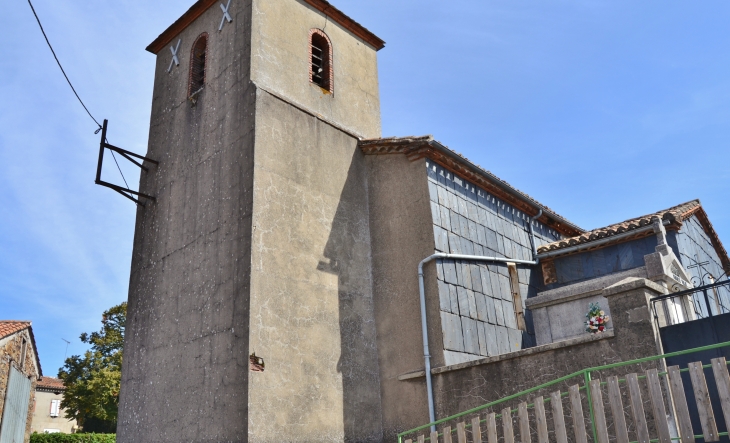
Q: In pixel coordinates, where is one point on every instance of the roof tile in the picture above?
(10, 327)
(674, 214)
(50, 383)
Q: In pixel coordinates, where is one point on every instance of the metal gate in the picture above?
(691, 319)
(15, 411)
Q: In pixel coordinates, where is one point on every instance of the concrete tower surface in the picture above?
(259, 239)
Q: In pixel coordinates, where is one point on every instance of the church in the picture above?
(300, 278)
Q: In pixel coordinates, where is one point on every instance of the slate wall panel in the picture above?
(478, 316)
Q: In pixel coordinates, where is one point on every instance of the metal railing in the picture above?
(692, 304)
(584, 376)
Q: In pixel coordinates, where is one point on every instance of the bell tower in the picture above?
(259, 238)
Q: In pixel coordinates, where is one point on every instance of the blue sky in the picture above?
(602, 110)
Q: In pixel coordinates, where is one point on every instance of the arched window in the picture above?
(197, 64)
(320, 51)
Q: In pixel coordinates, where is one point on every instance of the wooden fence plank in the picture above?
(617, 409)
(509, 433)
(461, 432)
(702, 395)
(421, 439)
(524, 422)
(722, 379)
(657, 405)
(492, 428)
(599, 414)
(409, 441)
(476, 430)
(447, 435)
(576, 408)
(637, 407)
(556, 401)
(435, 437)
(541, 420)
(680, 405)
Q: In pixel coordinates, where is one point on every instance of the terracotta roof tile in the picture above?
(50, 383)
(9, 327)
(676, 214)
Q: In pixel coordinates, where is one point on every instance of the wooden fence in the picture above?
(657, 412)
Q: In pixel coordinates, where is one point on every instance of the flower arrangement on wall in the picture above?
(597, 319)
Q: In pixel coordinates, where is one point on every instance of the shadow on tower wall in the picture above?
(348, 254)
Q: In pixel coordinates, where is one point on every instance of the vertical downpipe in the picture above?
(422, 300)
(426, 351)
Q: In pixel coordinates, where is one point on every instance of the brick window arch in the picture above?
(197, 64)
(320, 56)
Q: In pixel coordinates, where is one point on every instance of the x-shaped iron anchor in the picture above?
(226, 16)
(174, 55)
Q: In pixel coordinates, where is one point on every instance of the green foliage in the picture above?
(72, 438)
(92, 381)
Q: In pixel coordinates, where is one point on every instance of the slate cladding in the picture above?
(599, 262)
(693, 246)
(477, 311)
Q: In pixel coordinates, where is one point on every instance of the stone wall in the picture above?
(401, 236)
(185, 371)
(311, 287)
(10, 354)
(467, 385)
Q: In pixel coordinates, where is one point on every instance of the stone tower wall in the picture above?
(185, 373)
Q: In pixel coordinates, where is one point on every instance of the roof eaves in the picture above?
(674, 217)
(714, 238)
(35, 350)
(415, 147)
(323, 6)
(25, 324)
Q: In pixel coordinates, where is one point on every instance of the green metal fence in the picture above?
(584, 376)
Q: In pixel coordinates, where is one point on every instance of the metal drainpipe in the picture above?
(424, 323)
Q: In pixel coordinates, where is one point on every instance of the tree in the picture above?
(92, 381)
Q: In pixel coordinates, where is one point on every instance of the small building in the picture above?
(48, 416)
(20, 369)
(677, 248)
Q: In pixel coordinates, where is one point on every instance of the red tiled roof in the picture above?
(50, 383)
(675, 214)
(425, 146)
(10, 327)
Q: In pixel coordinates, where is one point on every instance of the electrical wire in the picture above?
(59, 65)
(74, 89)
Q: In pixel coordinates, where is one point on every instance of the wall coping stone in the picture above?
(581, 289)
(587, 338)
(631, 284)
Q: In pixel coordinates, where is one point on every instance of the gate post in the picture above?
(636, 335)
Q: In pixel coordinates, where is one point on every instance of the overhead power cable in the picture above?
(72, 86)
(59, 65)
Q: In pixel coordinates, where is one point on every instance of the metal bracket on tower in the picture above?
(128, 155)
